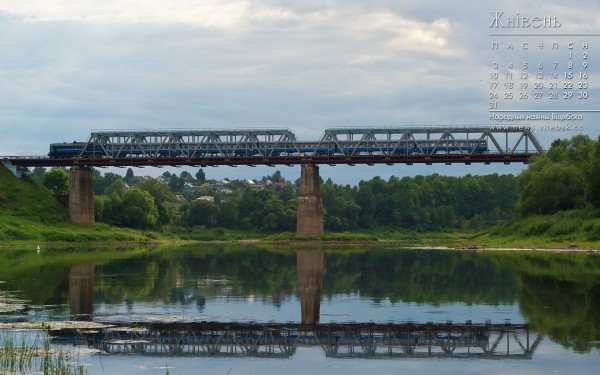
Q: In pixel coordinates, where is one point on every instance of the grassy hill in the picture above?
(29, 213)
(580, 227)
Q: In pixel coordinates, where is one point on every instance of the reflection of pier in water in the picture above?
(310, 265)
(351, 340)
(81, 291)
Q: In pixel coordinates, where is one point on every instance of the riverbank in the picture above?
(101, 235)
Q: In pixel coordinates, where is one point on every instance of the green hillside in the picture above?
(27, 199)
(29, 212)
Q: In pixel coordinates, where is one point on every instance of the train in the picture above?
(346, 147)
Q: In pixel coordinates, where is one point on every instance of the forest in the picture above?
(421, 203)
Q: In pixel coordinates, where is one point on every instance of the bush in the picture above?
(563, 227)
(536, 226)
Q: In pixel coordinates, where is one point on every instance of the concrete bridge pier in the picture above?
(310, 207)
(15, 169)
(81, 196)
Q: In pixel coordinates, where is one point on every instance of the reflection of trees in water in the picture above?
(420, 276)
(425, 276)
(560, 295)
(568, 312)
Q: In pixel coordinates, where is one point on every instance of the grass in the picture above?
(327, 237)
(26, 199)
(22, 357)
(580, 227)
(30, 214)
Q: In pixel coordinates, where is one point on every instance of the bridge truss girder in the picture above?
(434, 139)
(348, 142)
(114, 144)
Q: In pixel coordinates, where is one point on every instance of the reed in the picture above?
(22, 355)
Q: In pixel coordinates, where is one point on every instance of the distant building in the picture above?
(140, 178)
(224, 190)
(179, 199)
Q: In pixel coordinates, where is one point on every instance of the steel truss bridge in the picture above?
(389, 145)
(273, 340)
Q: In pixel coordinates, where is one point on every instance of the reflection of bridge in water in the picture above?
(350, 340)
(280, 340)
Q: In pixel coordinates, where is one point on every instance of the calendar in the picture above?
(538, 70)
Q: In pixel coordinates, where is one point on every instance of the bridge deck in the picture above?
(487, 158)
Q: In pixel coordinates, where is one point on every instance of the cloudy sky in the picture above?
(68, 67)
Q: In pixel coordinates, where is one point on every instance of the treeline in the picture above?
(421, 203)
(566, 177)
(560, 196)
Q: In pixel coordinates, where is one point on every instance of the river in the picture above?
(245, 309)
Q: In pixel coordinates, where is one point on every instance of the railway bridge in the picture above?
(278, 146)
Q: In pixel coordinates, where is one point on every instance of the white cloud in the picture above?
(206, 13)
(393, 32)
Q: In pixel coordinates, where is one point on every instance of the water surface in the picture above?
(555, 295)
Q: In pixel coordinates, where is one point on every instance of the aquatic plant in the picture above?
(20, 355)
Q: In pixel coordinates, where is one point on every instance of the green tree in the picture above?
(593, 176)
(561, 179)
(366, 201)
(102, 182)
(38, 173)
(57, 180)
(129, 177)
(176, 183)
(99, 207)
(201, 213)
(116, 189)
(275, 177)
(553, 188)
(286, 193)
(200, 176)
(138, 209)
(228, 215)
(162, 198)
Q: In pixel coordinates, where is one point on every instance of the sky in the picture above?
(68, 67)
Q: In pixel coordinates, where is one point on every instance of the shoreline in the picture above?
(310, 243)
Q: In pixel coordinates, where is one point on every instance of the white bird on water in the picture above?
(37, 248)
